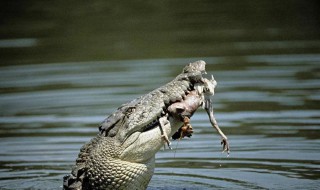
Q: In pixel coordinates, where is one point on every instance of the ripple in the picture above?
(49, 111)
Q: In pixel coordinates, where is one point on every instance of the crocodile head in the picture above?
(141, 141)
(140, 114)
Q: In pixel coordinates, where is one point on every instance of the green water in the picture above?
(65, 66)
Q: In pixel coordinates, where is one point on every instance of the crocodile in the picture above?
(122, 155)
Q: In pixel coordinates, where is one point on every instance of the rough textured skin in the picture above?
(104, 169)
(139, 112)
(122, 155)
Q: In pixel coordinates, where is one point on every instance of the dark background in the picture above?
(60, 31)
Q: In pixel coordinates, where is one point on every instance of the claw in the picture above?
(225, 147)
(166, 139)
(186, 129)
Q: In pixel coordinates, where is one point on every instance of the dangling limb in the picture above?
(209, 109)
(186, 129)
(162, 121)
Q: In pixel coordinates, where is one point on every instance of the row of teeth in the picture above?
(151, 125)
(156, 121)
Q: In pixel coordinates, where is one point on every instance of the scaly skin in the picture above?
(123, 153)
(139, 112)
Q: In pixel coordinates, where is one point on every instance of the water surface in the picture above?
(267, 107)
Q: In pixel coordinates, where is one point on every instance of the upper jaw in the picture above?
(201, 91)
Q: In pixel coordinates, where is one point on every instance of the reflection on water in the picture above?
(15, 43)
(268, 106)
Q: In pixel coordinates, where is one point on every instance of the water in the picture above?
(65, 66)
(268, 110)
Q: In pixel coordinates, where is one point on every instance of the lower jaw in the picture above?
(143, 146)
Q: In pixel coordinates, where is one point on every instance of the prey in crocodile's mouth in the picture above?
(182, 110)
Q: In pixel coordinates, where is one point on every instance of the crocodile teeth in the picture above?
(151, 125)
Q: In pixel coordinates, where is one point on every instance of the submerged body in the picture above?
(122, 156)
